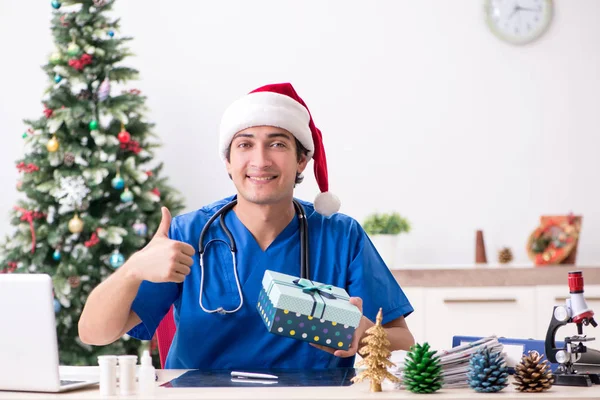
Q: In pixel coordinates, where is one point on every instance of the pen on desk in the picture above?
(253, 380)
(253, 375)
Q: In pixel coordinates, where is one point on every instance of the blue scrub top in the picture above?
(340, 253)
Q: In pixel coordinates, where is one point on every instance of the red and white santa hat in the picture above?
(279, 105)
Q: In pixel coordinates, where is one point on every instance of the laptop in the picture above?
(28, 343)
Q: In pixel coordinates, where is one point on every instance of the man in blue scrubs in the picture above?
(267, 139)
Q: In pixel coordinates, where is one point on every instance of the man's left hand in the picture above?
(358, 333)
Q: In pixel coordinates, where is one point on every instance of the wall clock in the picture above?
(518, 21)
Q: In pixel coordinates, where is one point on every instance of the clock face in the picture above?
(518, 21)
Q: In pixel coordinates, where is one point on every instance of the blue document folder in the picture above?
(286, 377)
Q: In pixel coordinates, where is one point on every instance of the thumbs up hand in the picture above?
(163, 259)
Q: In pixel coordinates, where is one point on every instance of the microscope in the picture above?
(575, 311)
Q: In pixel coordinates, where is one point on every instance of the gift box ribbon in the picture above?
(318, 293)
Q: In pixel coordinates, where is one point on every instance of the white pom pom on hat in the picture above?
(279, 105)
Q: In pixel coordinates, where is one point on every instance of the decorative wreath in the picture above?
(553, 240)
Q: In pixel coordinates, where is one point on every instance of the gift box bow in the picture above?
(318, 292)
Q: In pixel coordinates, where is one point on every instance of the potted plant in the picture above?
(383, 230)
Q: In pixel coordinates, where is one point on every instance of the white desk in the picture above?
(358, 391)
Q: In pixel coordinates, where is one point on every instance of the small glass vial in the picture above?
(127, 367)
(108, 375)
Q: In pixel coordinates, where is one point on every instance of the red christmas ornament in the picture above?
(85, 59)
(47, 112)
(75, 63)
(135, 147)
(11, 267)
(22, 167)
(93, 240)
(156, 191)
(124, 137)
(132, 91)
(149, 173)
(132, 145)
(80, 63)
(29, 216)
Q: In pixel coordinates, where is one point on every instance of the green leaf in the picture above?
(55, 158)
(120, 116)
(140, 176)
(54, 124)
(46, 186)
(151, 197)
(115, 235)
(103, 140)
(96, 175)
(62, 70)
(386, 224)
(77, 112)
(129, 165)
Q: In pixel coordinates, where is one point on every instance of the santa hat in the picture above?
(279, 105)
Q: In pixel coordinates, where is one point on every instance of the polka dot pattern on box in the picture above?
(303, 327)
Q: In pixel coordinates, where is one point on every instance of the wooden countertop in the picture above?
(492, 275)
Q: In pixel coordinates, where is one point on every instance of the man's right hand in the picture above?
(163, 259)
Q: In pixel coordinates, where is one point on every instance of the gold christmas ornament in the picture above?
(52, 144)
(376, 353)
(532, 374)
(75, 224)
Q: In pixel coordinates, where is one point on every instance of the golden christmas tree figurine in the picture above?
(376, 353)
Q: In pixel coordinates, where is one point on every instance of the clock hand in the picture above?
(514, 11)
(527, 9)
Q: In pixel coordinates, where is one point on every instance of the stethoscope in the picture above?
(304, 271)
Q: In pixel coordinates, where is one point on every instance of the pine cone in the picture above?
(69, 159)
(422, 370)
(505, 256)
(84, 94)
(74, 281)
(532, 374)
(487, 371)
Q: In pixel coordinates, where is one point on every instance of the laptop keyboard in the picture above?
(66, 382)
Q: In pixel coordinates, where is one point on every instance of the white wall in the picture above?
(422, 109)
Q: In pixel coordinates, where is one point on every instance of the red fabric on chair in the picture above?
(164, 335)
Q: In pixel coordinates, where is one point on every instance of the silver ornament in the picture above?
(104, 90)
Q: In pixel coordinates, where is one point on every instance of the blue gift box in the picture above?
(307, 310)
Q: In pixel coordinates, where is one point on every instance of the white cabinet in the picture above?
(550, 296)
(521, 312)
(477, 311)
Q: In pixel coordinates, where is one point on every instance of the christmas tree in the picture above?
(90, 194)
(376, 353)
